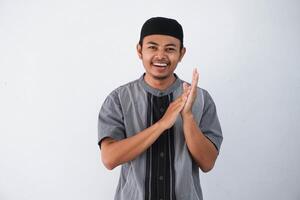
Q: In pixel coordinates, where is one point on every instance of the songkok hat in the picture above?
(162, 26)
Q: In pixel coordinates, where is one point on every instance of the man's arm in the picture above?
(201, 148)
(116, 152)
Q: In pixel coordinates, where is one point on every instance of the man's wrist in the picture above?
(161, 126)
(187, 116)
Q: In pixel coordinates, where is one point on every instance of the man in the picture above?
(159, 128)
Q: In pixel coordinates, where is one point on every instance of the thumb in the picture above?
(185, 86)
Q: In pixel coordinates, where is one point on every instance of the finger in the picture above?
(177, 106)
(184, 85)
(179, 100)
(183, 98)
(194, 81)
(180, 105)
(185, 88)
(195, 78)
(186, 92)
(189, 91)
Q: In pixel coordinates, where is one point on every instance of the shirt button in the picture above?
(162, 154)
(161, 93)
(161, 199)
(161, 178)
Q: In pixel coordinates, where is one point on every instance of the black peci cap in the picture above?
(162, 26)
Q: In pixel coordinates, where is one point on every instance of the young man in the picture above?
(159, 128)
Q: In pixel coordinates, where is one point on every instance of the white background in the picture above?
(60, 59)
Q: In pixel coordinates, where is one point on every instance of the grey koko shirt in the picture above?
(166, 170)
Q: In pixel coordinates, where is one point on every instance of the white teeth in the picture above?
(160, 64)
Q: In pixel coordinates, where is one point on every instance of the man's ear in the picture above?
(139, 50)
(182, 52)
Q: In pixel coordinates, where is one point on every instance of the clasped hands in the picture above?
(183, 104)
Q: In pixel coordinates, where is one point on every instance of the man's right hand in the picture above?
(174, 109)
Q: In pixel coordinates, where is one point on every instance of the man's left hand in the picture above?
(192, 90)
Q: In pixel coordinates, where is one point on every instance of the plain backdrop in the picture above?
(60, 59)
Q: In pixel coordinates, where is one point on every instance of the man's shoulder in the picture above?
(202, 91)
(126, 88)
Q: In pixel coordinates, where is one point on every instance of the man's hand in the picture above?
(192, 90)
(170, 116)
(200, 147)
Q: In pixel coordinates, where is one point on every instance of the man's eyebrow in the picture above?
(154, 43)
(173, 45)
(167, 45)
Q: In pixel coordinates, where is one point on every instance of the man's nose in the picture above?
(161, 54)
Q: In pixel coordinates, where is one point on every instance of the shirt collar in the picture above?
(158, 92)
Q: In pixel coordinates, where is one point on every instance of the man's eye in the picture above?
(171, 49)
(152, 47)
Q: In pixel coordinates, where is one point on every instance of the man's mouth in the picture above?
(158, 64)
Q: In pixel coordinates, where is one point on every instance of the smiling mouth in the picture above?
(157, 64)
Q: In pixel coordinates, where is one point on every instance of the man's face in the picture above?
(160, 55)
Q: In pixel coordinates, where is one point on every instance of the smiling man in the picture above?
(160, 129)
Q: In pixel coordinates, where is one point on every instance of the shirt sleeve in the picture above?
(111, 119)
(209, 123)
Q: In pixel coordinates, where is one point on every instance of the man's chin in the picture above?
(160, 77)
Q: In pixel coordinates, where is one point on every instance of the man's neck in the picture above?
(160, 84)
